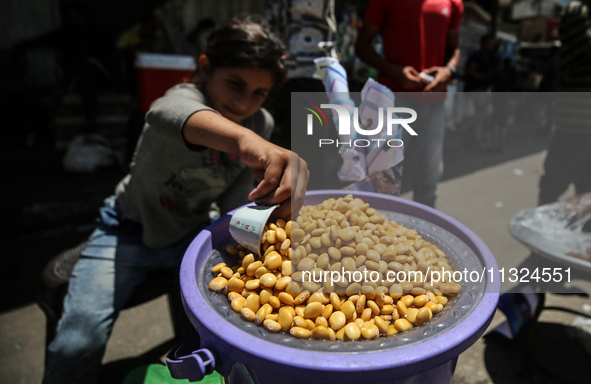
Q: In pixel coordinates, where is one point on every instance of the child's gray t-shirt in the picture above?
(171, 184)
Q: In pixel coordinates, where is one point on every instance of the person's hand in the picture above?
(408, 78)
(442, 77)
(282, 175)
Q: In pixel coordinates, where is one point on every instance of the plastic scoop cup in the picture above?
(248, 224)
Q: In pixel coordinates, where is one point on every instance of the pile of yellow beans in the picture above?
(343, 234)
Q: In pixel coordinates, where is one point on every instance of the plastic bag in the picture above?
(87, 153)
(379, 157)
(354, 167)
(369, 167)
(559, 229)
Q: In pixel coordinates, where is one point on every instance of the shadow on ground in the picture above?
(44, 211)
(553, 353)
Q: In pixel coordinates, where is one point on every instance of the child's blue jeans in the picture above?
(113, 263)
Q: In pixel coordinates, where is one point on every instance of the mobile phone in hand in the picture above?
(426, 77)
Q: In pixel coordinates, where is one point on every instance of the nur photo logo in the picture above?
(387, 119)
(316, 111)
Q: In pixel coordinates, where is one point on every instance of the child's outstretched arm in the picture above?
(282, 174)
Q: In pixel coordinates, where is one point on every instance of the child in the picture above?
(197, 146)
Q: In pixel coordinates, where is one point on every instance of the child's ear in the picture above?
(204, 68)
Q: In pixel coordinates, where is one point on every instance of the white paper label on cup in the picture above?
(247, 225)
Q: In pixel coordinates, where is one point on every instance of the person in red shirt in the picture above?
(421, 54)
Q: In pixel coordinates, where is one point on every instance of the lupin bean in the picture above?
(218, 284)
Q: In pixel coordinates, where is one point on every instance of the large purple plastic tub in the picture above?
(247, 354)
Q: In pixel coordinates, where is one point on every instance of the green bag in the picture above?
(159, 374)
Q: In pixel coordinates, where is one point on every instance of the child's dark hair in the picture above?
(244, 42)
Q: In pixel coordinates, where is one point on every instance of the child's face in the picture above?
(237, 93)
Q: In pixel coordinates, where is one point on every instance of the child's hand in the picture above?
(282, 175)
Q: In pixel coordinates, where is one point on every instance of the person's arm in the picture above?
(406, 76)
(443, 74)
(282, 174)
